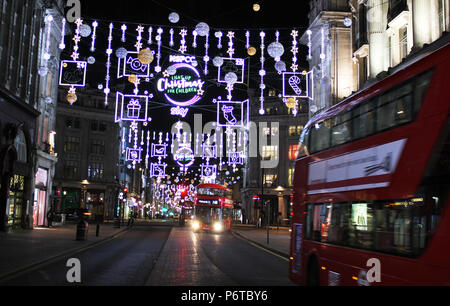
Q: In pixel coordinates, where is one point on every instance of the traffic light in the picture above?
(58, 192)
(256, 202)
(183, 191)
(125, 189)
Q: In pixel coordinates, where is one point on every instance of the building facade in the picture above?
(21, 40)
(45, 158)
(88, 146)
(269, 171)
(355, 43)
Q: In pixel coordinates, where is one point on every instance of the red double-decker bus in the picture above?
(372, 181)
(213, 208)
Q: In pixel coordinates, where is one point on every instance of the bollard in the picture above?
(97, 230)
(117, 223)
(82, 230)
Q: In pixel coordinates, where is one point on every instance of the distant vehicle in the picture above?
(372, 181)
(213, 207)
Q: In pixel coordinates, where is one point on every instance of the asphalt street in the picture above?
(197, 259)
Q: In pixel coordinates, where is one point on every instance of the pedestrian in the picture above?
(50, 218)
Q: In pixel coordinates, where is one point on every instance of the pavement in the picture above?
(278, 242)
(26, 249)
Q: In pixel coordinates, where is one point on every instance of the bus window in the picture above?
(394, 107)
(340, 132)
(320, 136)
(207, 215)
(303, 143)
(420, 87)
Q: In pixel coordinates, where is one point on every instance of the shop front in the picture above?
(40, 198)
(95, 203)
(15, 204)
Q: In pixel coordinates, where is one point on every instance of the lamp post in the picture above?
(84, 184)
(280, 190)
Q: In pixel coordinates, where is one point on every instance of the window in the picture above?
(390, 109)
(399, 227)
(295, 130)
(72, 144)
(95, 171)
(291, 177)
(270, 179)
(70, 169)
(21, 146)
(269, 152)
(98, 146)
(403, 40)
(270, 131)
(341, 131)
(292, 130)
(102, 126)
(72, 123)
(320, 136)
(394, 107)
(293, 151)
(94, 125)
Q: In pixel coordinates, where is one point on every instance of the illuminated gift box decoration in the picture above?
(133, 109)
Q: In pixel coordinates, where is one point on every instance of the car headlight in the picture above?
(195, 224)
(217, 226)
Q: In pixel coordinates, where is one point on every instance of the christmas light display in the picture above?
(94, 35)
(62, 45)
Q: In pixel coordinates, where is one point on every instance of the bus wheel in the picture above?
(313, 272)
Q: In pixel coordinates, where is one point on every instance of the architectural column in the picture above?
(377, 22)
(421, 22)
(282, 207)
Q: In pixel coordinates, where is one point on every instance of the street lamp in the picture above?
(280, 190)
(84, 184)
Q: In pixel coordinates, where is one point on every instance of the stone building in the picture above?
(88, 146)
(269, 170)
(355, 43)
(26, 106)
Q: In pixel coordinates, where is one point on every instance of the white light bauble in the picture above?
(275, 49)
(121, 52)
(91, 60)
(171, 70)
(347, 22)
(85, 30)
(202, 29)
(218, 61)
(174, 17)
(43, 71)
(280, 66)
(231, 78)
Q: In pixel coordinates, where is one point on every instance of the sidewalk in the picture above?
(23, 249)
(279, 240)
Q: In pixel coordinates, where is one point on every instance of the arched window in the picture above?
(21, 146)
